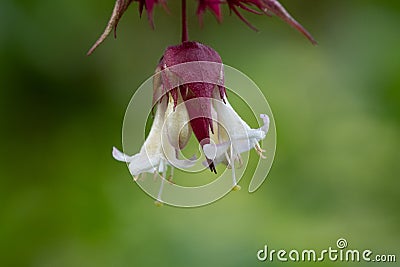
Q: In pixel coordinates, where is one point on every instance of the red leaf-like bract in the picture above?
(196, 95)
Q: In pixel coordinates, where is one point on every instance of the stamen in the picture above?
(171, 175)
(259, 148)
(235, 187)
(142, 176)
(160, 191)
(228, 159)
(260, 151)
(240, 161)
(158, 202)
(233, 167)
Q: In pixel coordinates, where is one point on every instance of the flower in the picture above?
(233, 136)
(190, 97)
(156, 153)
(169, 132)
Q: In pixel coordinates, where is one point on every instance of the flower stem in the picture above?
(185, 35)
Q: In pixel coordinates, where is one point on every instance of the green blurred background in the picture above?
(65, 202)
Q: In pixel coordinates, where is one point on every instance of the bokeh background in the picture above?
(65, 202)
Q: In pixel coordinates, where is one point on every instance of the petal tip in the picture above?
(266, 121)
(118, 155)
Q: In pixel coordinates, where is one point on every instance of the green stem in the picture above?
(185, 34)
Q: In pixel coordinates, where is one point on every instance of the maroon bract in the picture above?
(197, 95)
(267, 7)
(213, 5)
(149, 6)
(119, 9)
(260, 7)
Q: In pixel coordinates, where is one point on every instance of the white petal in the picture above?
(182, 164)
(232, 129)
(142, 163)
(214, 151)
(242, 146)
(118, 155)
(150, 156)
(177, 123)
(170, 154)
(265, 119)
(152, 145)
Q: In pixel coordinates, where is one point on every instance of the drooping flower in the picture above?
(233, 136)
(156, 154)
(169, 133)
(190, 96)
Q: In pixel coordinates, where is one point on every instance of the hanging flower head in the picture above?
(189, 89)
(189, 95)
